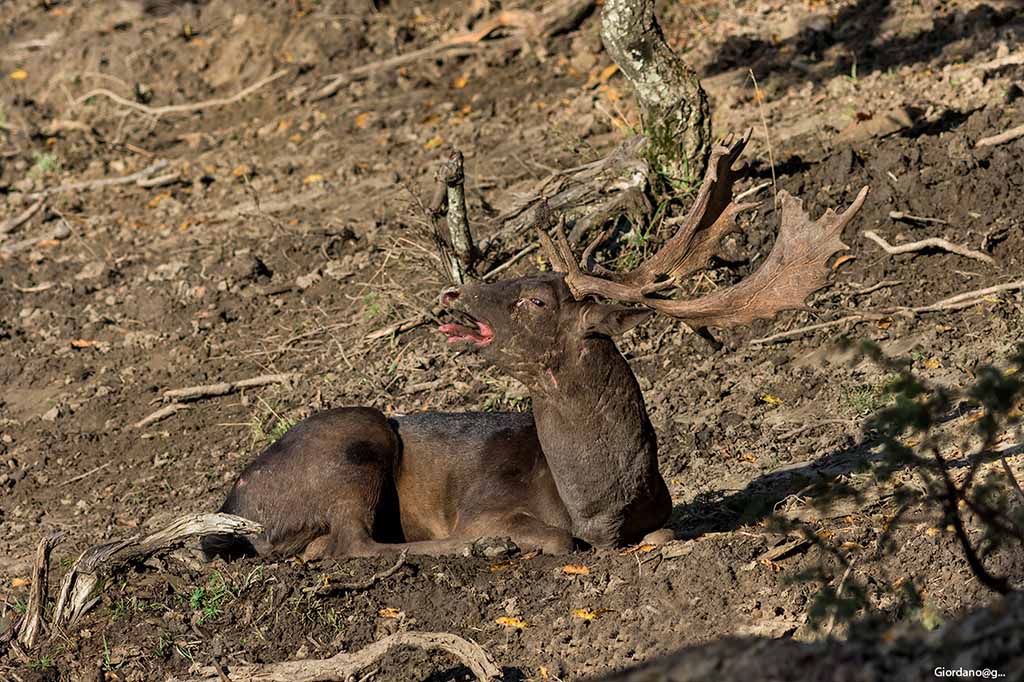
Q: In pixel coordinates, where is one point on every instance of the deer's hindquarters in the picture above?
(319, 488)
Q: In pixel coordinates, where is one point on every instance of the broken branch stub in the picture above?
(675, 110)
(457, 250)
(796, 267)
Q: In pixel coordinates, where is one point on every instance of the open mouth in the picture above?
(475, 332)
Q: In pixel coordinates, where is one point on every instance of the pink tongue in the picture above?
(448, 328)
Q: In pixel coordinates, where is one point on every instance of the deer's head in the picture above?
(532, 324)
(537, 322)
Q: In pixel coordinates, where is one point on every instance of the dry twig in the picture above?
(105, 182)
(930, 243)
(1001, 138)
(157, 112)
(226, 387)
(346, 666)
(958, 302)
(17, 221)
(329, 586)
(183, 395)
(161, 414)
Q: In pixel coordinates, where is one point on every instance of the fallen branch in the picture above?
(32, 623)
(1001, 138)
(930, 243)
(105, 182)
(78, 591)
(157, 112)
(330, 586)
(17, 221)
(226, 387)
(184, 395)
(345, 666)
(958, 302)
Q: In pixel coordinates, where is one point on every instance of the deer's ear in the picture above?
(610, 320)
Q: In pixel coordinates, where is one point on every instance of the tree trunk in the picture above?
(675, 113)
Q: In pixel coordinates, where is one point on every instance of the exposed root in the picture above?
(958, 302)
(331, 586)
(79, 588)
(930, 243)
(344, 666)
(157, 112)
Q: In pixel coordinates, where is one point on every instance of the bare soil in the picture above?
(295, 231)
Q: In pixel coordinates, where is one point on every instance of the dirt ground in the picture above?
(294, 231)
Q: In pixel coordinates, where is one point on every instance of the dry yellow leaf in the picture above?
(433, 143)
(18, 75)
(461, 81)
(884, 324)
(543, 672)
(850, 546)
(241, 169)
(639, 549)
(82, 343)
(312, 178)
(296, 138)
(841, 260)
(510, 622)
(20, 582)
(607, 72)
(575, 569)
(284, 124)
(390, 612)
(747, 457)
(932, 532)
(932, 363)
(771, 399)
(589, 614)
(497, 568)
(362, 120)
(158, 199)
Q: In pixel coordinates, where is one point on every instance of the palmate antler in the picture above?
(796, 267)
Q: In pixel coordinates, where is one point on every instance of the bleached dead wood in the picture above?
(346, 666)
(79, 588)
(32, 623)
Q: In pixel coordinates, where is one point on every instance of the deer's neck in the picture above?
(599, 444)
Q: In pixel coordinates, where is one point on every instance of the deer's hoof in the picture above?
(493, 548)
(659, 537)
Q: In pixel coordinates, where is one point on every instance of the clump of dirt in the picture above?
(293, 232)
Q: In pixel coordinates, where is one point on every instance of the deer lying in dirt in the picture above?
(583, 465)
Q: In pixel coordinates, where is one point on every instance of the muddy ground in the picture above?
(294, 231)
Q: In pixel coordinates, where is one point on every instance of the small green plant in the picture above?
(209, 599)
(44, 662)
(866, 399)
(43, 164)
(268, 428)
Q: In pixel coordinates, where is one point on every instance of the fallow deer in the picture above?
(583, 465)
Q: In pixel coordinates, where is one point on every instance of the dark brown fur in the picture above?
(351, 482)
